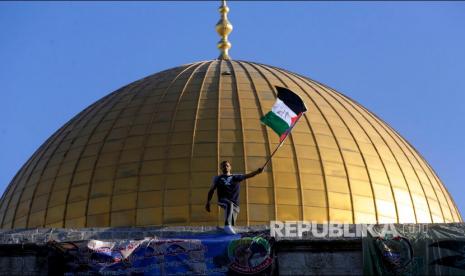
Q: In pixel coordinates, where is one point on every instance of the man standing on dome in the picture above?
(228, 186)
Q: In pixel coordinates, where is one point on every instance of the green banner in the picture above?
(414, 249)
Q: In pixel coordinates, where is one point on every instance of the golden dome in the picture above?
(146, 154)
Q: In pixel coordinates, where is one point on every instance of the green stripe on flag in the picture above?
(275, 122)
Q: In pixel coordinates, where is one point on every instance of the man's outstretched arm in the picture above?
(210, 195)
(254, 173)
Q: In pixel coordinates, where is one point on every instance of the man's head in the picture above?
(225, 167)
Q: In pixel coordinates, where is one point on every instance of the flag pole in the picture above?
(281, 143)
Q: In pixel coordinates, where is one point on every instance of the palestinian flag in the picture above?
(285, 112)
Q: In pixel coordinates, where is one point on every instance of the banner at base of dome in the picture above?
(415, 249)
(213, 254)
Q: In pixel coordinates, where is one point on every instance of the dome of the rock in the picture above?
(146, 154)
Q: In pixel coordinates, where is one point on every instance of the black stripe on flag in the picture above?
(291, 99)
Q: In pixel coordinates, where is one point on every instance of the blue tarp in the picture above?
(212, 254)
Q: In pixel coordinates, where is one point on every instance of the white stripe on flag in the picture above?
(284, 112)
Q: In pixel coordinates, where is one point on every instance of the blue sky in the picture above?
(405, 61)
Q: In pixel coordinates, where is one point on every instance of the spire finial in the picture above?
(224, 28)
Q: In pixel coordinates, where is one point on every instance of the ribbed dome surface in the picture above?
(146, 155)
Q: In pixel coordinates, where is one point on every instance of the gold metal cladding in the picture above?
(145, 155)
(224, 28)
